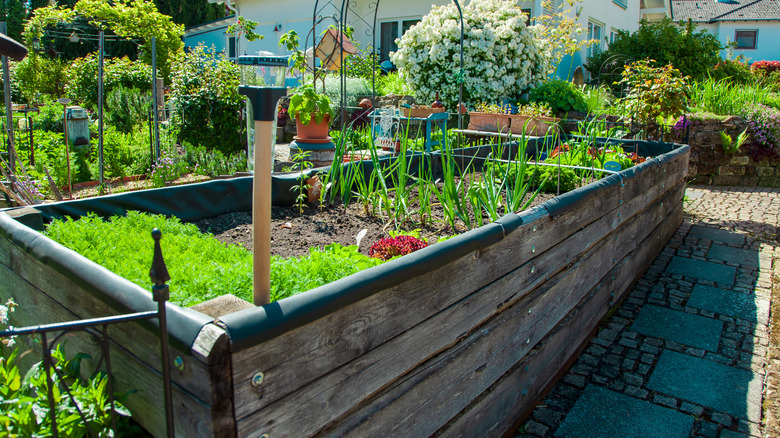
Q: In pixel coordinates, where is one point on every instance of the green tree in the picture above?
(13, 13)
(190, 12)
(204, 90)
(127, 18)
(692, 53)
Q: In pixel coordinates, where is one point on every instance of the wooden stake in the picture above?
(261, 212)
(13, 196)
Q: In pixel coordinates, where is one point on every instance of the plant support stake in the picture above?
(8, 113)
(263, 101)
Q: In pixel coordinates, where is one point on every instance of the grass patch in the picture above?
(201, 267)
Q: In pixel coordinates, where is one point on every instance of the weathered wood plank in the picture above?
(212, 347)
(340, 337)
(84, 305)
(497, 410)
(342, 388)
(446, 383)
(129, 372)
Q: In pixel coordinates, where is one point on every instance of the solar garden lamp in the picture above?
(262, 101)
(65, 101)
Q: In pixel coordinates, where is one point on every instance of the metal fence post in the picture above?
(160, 293)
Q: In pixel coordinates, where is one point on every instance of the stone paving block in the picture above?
(725, 433)
(708, 430)
(710, 271)
(691, 409)
(708, 384)
(739, 256)
(683, 328)
(717, 235)
(534, 428)
(604, 413)
(730, 303)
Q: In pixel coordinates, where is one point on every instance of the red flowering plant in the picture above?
(282, 117)
(388, 247)
(765, 67)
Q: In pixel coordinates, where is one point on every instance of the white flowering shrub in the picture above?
(500, 56)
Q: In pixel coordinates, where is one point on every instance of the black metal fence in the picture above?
(160, 293)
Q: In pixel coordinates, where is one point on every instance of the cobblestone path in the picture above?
(685, 354)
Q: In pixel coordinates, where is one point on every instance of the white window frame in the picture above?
(400, 23)
(598, 47)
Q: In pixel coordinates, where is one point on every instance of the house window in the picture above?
(553, 7)
(746, 39)
(621, 3)
(612, 35)
(595, 31)
(232, 47)
(388, 32)
(527, 12)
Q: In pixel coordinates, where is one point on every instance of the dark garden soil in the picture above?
(294, 232)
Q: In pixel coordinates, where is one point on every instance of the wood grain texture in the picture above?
(340, 337)
(341, 388)
(446, 383)
(129, 372)
(496, 411)
(82, 305)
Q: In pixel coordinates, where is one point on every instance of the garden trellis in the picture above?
(76, 34)
(341, 16)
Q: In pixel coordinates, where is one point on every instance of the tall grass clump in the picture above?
(725, 97)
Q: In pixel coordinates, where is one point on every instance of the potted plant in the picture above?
(312, 112)
(490, 117)
(533, 119)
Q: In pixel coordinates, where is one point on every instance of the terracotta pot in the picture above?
(490, 122)
(533, 125)
(312, 131)
(396, 148)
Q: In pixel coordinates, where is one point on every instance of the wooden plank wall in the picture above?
(467, 348)
(201, 407)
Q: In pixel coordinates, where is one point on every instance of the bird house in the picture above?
(333, 48)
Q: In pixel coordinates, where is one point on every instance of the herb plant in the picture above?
(308, 105)
(201, 267)
(559, 95)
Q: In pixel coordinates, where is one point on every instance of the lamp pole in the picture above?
(65, 101)
(263, 101)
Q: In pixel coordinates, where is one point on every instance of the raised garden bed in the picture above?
(460, 338)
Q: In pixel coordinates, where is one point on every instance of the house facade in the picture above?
(752, 26)
(600, 19)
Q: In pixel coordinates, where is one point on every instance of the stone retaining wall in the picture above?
(709, 164)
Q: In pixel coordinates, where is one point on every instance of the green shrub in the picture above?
(36, 75)
(692, 53)
(543, 177)
(735, 71)
(26, 405)
(362, 65)
(83, 73)
(561, 96)
(653, 92)
(393, 83)
(214, 163)
(127, 107)
(548, 177)
(50, 116)
(204, 92)
(125, 154)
